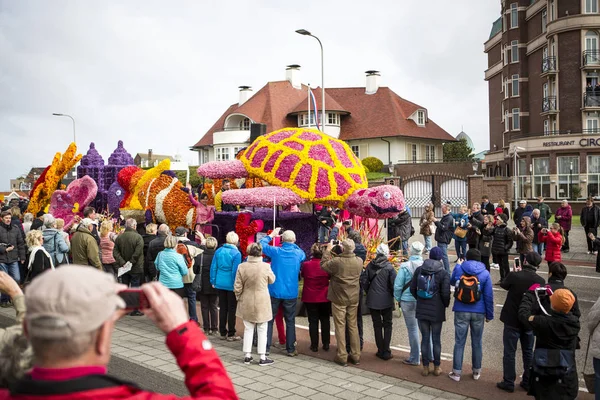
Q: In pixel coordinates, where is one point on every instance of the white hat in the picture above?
(383, 249)
(416, 248)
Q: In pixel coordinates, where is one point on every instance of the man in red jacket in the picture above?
(71, 314)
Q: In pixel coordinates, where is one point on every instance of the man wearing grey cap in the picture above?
(84, 247)
(71, 314)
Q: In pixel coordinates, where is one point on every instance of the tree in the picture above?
(458, 151)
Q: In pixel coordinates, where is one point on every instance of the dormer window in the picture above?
(421, 118)
(303, 120)
(333, 119)
(245, 124)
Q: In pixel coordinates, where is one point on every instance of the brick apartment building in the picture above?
(543, 69)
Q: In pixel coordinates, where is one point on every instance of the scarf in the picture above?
(34, 250)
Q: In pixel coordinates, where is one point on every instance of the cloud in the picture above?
(157, 75)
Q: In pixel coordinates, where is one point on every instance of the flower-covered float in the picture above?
(67, 204)
(305, 165)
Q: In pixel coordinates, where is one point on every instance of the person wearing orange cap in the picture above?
(553, 374)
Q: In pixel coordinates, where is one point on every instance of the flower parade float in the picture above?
(69, 203)
(49, 180)
(302, 165)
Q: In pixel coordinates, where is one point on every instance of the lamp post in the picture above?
(72, 119)
(475, 167)
(307, 33)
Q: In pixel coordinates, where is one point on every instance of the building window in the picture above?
(505, 55)
(245, 124)
(516, 119)
(420, 117)
(502, 115)
(506, 121)
(236, 150)
(514, 51)
(514, 16)
(515, 85)
(568, 174)
(333, 119)
(552, 10)
(430, 153)
(544, 20)
(413, 153)
(506, 84)
(591, 125)
(222, 153)
(591, 6)
(356, 151)
(546, 127)
(303, 120)
(541, 177)
(522, 169)
(593, 178)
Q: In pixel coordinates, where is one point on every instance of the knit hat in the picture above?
(533, 258)
(383, 249)
(416, 249)
(562, 300)
(473, 255)
(436, 253)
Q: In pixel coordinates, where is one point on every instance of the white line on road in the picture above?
(585, 301)
(406, 349)
(574, 276)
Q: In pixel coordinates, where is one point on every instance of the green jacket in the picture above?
(545, 211)
(129, 246)
(85, 249)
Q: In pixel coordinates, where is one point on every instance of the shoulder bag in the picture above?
(197, 282)
(590, 379)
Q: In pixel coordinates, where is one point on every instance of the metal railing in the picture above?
(236, 128)
(591, 57)
(549, 64)
(549, 104)
(591, 99)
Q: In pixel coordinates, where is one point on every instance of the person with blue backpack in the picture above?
(473, 305)
(431, 287)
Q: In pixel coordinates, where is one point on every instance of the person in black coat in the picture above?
(156, 246)
(501, 244)
(556, 339)
(537, 224)
(431, 312)
(400, 227)
(475, 225)
(517, 284)
(148, 237)
(207, 296)
(519, 211)
(378, 281)
(486, 236)
(326, 219)
(590, 219)
(444, 233)
(487, 208)
(12, 250)
(38, 222)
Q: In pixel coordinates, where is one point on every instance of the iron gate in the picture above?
(437, 188)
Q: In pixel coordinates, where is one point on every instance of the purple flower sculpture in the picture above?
(92, 165)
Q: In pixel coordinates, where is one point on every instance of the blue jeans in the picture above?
(597, 372)
(538, 247)
(510, 338)
(323, 232)
(409, 309)
(427, 242)
(461, 248)
(431, 331)
(444, 247)
(191, 298)
(405, 247)
(289, 315)
(12, 269)
(462, 322)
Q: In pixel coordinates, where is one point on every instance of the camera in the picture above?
(335, 242)
(134, 299)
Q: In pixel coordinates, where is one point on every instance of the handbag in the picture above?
(197, 282)
(590, 379)
(460, 232)
(65, 259)
(555, 363)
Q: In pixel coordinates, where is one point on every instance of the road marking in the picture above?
(406, 349)
(583, 300)
(574, 276)
(500, 305)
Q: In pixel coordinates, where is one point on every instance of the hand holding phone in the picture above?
(135, 299)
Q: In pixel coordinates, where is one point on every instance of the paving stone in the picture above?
(341, 374)
(250, 395)
(330, 389)
(302, 391)
(259, 386)
(168, 367)
(420, 396)
(141, 357)
(277, 393)
(362, 380)
(242, 381)
(348, 395)
(432, 391)
(177, 374)
(324, 369)
(451, 396)
(295, 397)
(155, 362)
(322, 396)
(354, 387)
(285, 385)
(268, 379)
(318, 376)
(379, 385)
(250, 373)
(402, 391)
(154, 352)
(395, 397)
(299, 371)
(376, 393)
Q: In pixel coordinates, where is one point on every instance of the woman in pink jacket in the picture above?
(205, 214)
(564, 215)
(314, 296)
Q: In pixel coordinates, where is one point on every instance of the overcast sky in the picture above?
(158, 74)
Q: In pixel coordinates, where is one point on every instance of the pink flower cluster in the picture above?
(223, 169)
(262, 197)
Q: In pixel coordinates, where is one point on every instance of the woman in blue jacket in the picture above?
(171, 266)
(222, 276)
(461, 220)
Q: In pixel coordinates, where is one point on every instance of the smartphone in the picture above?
(135, 299)
(336, 242)
(517, 264)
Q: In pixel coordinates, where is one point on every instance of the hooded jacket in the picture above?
(593, 324)
(553, 245)
(517, 284)
(460, 221)
(316, 282)
(545, 211)
(345, 271)
(129, 247)
(524, 237)
(486, 241)
(502, 241)
(378, 281)
(10, 235)
(590, 216)
(155, 246)
(537, 224)
(405, 275)
(445, 229)
(85, 249)
(204, 269)
(426, 221)
(485, 305)
(434, 309)
(554, 332)
(476, 221)
(224, 267)
(400, 226)
(285, 263)
(566, 215)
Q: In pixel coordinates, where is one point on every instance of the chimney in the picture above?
(292, 74)
(372, 81)
(245, 93)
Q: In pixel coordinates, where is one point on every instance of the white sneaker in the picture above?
(476, 375)
(454, 377)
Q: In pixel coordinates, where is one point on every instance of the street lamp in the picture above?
(307, 33)
(475, 167)
(72, 119)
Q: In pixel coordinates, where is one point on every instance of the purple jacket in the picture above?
(565, 214)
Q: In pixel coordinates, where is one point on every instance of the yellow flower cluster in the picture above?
(43, 189)
(144, 178)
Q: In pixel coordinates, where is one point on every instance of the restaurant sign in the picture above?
(585, 142)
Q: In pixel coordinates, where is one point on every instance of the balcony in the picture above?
(591, 59)
(591, 100)
(549, 65)
(549, 105)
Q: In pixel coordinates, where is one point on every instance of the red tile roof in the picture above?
(383, 114)
(330, 103)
